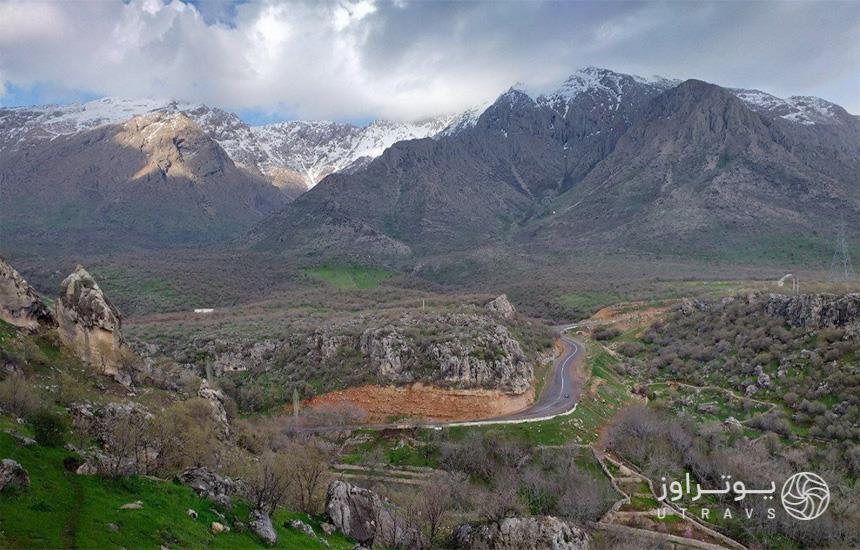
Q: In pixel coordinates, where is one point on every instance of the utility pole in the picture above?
(840, 266)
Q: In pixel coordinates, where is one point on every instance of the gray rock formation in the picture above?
(356, 512)
(467, 351)
(388, 353)
(19, 303)
(805, 310)
(502, 307)
(531, 533)
(261, 525)
(362, 515)
(219, 414)
(208, 484)
(91, 326)
(13, 475)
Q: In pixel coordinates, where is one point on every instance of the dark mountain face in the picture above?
(473, 187)
(607, 160)
(699, 166)
(156, 180)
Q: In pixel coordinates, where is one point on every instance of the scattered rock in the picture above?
(13, 475)
(261, 525)
(733, 423)
(502, 307)
(217, 528)
(136, 505)
(191, 513)
(537, 533)
(90, 325)
(113, 527)
(708, 408)
(21, 440)
(327, 528)
(299, 525)
(20, 305)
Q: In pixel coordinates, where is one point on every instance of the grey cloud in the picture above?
(412, 59)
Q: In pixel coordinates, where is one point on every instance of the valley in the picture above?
(504, 328)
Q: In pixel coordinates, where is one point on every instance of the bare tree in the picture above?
(435, 504)
(308, 470)
(268, 483)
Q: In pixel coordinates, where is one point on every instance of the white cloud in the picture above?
(351, 59)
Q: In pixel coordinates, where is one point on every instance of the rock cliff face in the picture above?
(536, 533)
(805, 310)
(219, 412)
(19, 303)
(460, 350)
(470, 351)
(90, 325)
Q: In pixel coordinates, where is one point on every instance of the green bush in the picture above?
(49, 428)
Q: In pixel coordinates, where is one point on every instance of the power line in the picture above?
(840, 266)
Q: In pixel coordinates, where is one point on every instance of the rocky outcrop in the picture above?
(91, 325)
(458, 349)
(261, 525)
(208, 484)
(502, 307)
(219, 413)
(19, 303)
(493, 358)
(533, 533)
(804, 310)
(364, 516)
(13, 475)
(356, 512)
(388, 353)
(97, 421)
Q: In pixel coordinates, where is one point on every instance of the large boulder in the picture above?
(502, 307)
(362, 515)
(354, 511)
(261, 525)
(208, 484)
(20, 305)
(532, 533)
(13, 475)
(91, 325)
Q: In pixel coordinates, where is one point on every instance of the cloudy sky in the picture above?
(403, 59)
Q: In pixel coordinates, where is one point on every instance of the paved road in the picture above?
(558, 396)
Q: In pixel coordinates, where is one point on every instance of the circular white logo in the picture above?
(805, 496)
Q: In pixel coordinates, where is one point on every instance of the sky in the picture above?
(405, 60)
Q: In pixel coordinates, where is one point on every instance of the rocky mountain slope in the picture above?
(154, 180)
(607, 160)
(293, 155)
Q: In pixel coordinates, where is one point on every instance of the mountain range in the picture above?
(606, 159)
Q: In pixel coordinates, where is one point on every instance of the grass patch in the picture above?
(348, 277)
(63, 510)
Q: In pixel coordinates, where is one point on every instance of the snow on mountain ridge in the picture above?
(806, 110)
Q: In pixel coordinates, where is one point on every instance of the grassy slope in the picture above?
(350, 277)
(64, 510)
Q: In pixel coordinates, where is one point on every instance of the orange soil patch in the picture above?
(629, 314)
(378, 404)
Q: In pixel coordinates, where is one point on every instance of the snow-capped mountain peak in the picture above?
(806, 110)
(595, 79)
